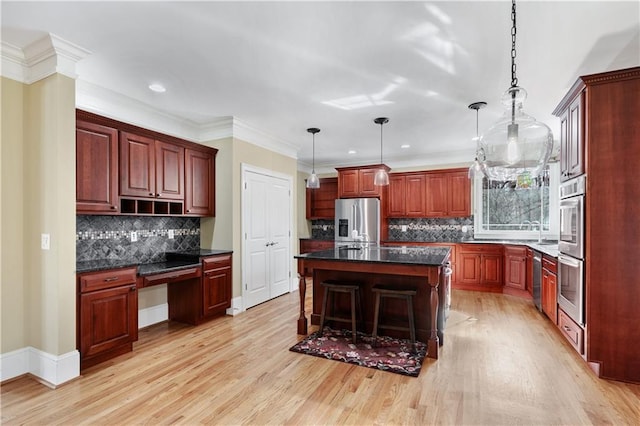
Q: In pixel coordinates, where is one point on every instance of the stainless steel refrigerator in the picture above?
(357, 222)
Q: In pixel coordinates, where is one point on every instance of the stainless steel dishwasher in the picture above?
(537, 279)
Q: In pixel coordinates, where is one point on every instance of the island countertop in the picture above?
(427, 256)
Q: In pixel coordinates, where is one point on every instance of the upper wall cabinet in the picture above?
(96, 168)
(357, 182)
(124, 169)
(150, 168)
(448, 194)
(571, 139)
(321, 202)
(199, 183)
(440, 193)
(407, 195)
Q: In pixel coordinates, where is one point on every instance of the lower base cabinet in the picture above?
(216, 285)
(107, 314)
(549, 289)
(479, 267)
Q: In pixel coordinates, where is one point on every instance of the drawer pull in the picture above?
(111, 279)
(132, 288)
(566, 328)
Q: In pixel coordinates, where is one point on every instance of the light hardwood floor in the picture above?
(501, 363)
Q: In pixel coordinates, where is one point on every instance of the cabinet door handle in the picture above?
(111, 279)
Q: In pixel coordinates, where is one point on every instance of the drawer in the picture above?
(571, 331)
(216, 262)
(172, 276)
(107, 279)
(480, 248)
(550, 264)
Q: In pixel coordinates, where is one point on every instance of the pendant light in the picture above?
(476, 168)
(382, 177)
(313, 182)
(516, 144)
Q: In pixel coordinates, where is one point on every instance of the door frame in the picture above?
(248, 168)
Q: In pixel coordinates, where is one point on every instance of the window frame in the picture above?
(554, 213)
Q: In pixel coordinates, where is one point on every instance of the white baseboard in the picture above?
(153, 315)
(52, 369)
(236, 306)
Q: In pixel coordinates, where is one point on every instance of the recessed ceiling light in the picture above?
(405, 146)
(158, 88)
(352, 151)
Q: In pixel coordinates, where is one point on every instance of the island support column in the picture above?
(302, 287)
(434, 343)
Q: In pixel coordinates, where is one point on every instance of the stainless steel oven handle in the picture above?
(569, 261)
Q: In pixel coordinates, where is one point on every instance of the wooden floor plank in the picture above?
(502, 362)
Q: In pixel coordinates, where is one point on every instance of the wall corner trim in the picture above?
(51, 369)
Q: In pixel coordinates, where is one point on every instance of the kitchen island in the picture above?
(424, 268)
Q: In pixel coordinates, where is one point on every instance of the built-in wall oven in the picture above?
(571, 248)
(572, 217)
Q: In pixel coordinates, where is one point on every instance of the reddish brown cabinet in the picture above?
(96, 168)
(610, 109)
(407, 194)
(125, 169)
(549, 288)
(107, 314)
(150, 168)
(356, 182)
(515, 267)
(321, 202)
(571, 140)
(216, 285)
(200, 172)
(448, 194)
(479, 267)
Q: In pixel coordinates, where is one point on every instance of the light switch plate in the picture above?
(170, 234)
(404, 228)
(45, 241)
(134, 236)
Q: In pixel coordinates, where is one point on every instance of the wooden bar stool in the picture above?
(353, 289)
(406, 293)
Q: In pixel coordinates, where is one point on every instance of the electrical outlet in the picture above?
(45, 241)
(170, 234)
(404, 228)
(134, 236)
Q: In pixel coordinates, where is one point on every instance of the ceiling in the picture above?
(281, 67)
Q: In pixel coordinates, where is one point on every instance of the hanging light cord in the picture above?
(381, 142)
(514, 79)
(313, 165)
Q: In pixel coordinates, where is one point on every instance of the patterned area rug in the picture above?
(390, 354)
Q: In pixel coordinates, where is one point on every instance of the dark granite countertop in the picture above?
(170, 265)
(547, 247)
(175, 261)
(428, 256)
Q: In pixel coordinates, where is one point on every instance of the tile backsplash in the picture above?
(417, 229)
(109, 237)
(444, 230)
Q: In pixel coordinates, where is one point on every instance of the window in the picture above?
(518, 209)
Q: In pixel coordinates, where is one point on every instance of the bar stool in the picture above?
(353, 289)
(405, 293)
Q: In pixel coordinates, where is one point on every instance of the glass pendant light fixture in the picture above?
(313, 182)
(516, 144)
(476, 168)
(382, 177)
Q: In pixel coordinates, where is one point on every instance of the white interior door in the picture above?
(279, 226)
(267, 237)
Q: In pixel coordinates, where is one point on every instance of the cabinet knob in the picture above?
(151, 194)
(188, 211)
(158, 194)
(114, 207)
(132, 288)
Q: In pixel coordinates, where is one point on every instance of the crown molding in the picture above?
(42, 58)
(253, 135)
